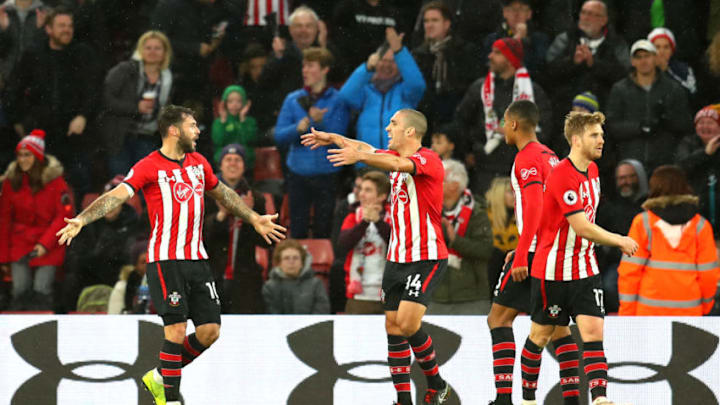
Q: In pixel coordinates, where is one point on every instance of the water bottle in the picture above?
(142, 305)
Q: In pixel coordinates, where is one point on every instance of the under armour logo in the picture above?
(414, 293)
(691, 348)
(42, 388)
(322, 383)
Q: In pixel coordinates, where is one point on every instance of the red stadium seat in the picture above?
(268, 164)
(88, 199)
(322, 253)
(262, 257)
(285, 212)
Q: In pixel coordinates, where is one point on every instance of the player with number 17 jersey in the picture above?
(562, 255)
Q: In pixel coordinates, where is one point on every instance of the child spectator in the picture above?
(443, 142)
(233, 125)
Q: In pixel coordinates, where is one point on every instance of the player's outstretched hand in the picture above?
(269, 229)
(316, 139)
(70, 231)
(343, 157)
(628, 245)
(519, 273)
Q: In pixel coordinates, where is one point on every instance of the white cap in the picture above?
(642, 44)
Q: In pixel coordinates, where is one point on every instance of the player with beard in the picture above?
(565, 276)
(174, 180)
(533, 164)
(417, 255)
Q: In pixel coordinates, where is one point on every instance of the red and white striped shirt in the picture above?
(174, 192)
(416, 210)
(258, 9)
(561, 254)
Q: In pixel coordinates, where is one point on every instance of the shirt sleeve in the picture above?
(427, 163)
(138, 176)
(564, 189)
(211, 179)
(528, 172)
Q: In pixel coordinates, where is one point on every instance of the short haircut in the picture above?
(382, 183)
(455, 172)
(159, 36)
(415, 119)
(576, 122)
(440, 6)
(288, 244)
(450, 131)
(668, 180)
(508, 3)
(172, 115)
(59, 10)
(319, 55)
(527, 114)
(303, 10)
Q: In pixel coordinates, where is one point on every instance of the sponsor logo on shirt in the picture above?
(525, 173)
(182, 192)
(421, 158)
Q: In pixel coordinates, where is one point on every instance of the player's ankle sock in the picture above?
(595, 368)
(192, 348)
(422, 346)
(171, 369)
(567, 356)
(503, 347)
(530, 362)
(399, 362)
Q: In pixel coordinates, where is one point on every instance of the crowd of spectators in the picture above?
(82, 82)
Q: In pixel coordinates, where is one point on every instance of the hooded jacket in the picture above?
(28, 218)
(18, 36)
(302, 295)
(675, 270)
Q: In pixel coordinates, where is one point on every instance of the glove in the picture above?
(355, 287)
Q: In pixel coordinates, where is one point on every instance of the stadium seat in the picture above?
(285, 212)
(262, 257)
(322, 253)
(89, 198)
(268, 164)
(269, 204)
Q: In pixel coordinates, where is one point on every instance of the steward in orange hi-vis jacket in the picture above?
(675, 271)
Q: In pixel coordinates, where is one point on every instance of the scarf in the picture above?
(522, 90)
(384, 85)
(439, 70)
(459, 217)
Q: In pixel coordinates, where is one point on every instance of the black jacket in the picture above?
(702, 172)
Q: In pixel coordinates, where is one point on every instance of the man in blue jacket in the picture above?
(312, 178)
(386, 83)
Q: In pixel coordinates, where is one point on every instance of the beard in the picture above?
(185, 143)
(629, 190)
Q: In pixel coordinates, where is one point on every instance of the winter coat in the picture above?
(122, 92)
(302, 295)
(18, 36)
(469, 282)
(675, 271)
(27, 219)
(377, 108)
(664, 109)
(703, 172)
(302, 160)
(234, 131)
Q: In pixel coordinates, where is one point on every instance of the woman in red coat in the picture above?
(33, 203)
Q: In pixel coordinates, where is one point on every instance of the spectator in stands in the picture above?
(647, 111)
(697, 155)
(517, 16)
(448, 64)
(134, 92)
(234, 125)
(54, 87)
(583, 102)
(389, 81)
(588, 58)
(709, 75)
(482, 108)
(675, 271)
(232, 243)
(21, 23)
(444, 141)
(363, 242)
(195, 33)
(253, 62)
(96, 256)
(472, 20)
(664, 42)
(616, 214)
(312, 178)
(293, 287)
(358, 27)
(501, 211)
(464, 289)
(282, 73)
(123, 298)
(33, 203)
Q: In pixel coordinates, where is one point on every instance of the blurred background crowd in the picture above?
(82, 82)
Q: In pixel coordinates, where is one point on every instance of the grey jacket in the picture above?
(18, 36)
(302, 295)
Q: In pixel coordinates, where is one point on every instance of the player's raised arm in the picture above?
(316, 138)
(96, 210)
(592, 232)
(263, 224)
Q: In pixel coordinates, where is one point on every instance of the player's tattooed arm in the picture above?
(229, 199)
(104, 204)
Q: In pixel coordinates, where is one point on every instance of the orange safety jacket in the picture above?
(664, 280)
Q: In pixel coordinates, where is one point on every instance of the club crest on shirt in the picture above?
(174, 299)
(197, 171)
(525, 173)
(554, 311)
(182, 192)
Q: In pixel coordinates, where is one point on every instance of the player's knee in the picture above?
(500, 317)
(208, 334)
(541, 336)
(408, 326)
(175, 333)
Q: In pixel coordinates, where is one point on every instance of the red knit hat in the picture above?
(512, 49)
(35, 143)
(711, 111)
